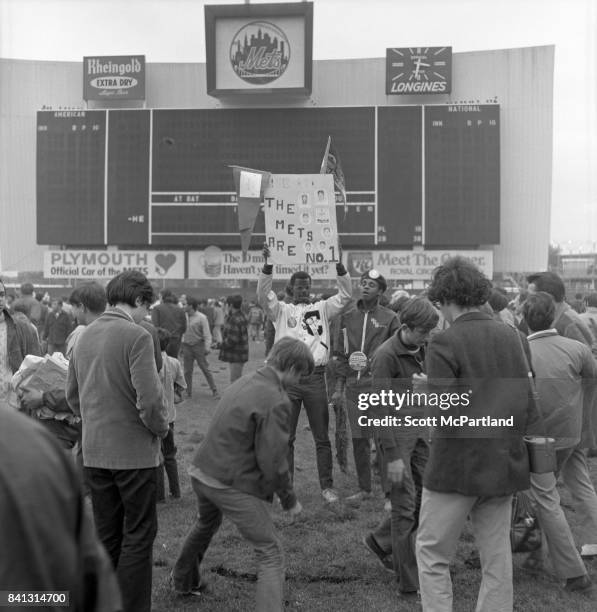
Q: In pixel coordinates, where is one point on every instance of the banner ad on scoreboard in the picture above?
(216, 264)
(120, 77)
(106, 264)
(412, 265)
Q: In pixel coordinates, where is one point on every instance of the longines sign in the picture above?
(259, 48)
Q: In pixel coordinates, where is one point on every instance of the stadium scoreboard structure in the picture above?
(415, 175)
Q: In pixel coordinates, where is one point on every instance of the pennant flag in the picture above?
(330, 164)
(250, 186)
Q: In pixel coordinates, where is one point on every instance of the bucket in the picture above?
(542, 454)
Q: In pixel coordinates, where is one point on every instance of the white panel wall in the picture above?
(521, 80)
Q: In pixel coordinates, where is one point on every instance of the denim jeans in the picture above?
(252, 517)
(396, 534)
(124, 509)
(170, 466)
(190, 354)
(312, 393)
(361, 446)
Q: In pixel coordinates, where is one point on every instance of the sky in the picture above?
(173, 31)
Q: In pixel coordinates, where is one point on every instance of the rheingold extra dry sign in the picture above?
(116, 77)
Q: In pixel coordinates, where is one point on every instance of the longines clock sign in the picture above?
(259, 48)
(419, 70)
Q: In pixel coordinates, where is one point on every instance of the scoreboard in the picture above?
(415, 175)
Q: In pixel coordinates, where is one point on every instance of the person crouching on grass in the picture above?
(240, 464)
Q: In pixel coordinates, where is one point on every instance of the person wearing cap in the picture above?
(363, 329)
(310, 323)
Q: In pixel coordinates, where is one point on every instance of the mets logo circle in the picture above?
(259, 52)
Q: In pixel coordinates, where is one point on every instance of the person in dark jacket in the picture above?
(235, 337)
(17, 340)
(404, 452)
(362, 330)
(58, 327)
(170, 316)
(48, 539)
(473, 471)
(239, 466)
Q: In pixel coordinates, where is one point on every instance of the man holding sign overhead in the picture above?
(308, 322)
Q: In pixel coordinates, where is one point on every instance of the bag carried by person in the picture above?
(541, 449)
(525, 533)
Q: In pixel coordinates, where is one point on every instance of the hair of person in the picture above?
(236, 301)
(26, 289)
(460, 282)
(591, 300)
(91, 295)
(398, 304)
(168, 296)
(290, 353)
(193, 302)
(20, 307)
(127, 286)
(578, 296)
(300, 275)
(418, 312)
(163, 337)
(549, 282)
(538, 311)
(497, 300)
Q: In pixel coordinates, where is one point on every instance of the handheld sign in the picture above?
(300, 219)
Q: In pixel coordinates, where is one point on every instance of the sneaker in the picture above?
(330, 496)
(410, 596)
(579, 583)
(588, 551)
(193, 592)
(359, 496)
(371, 544)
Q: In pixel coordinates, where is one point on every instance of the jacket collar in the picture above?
(114, 311)
(271, 375)
(543, 334)
(361, 306)
(475, 315)
(400, 349)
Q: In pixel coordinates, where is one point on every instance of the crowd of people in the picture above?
(107, 434)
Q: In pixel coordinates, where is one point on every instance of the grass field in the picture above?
(327, 567)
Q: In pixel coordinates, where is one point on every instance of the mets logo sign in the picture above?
(259, 52)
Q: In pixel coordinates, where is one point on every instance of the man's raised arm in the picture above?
(265, 295)
(336, 302)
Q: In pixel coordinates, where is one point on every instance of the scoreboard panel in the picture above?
(399, 147)
(71, 151)
(462, 175)
(128, 177)
(414, 175)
